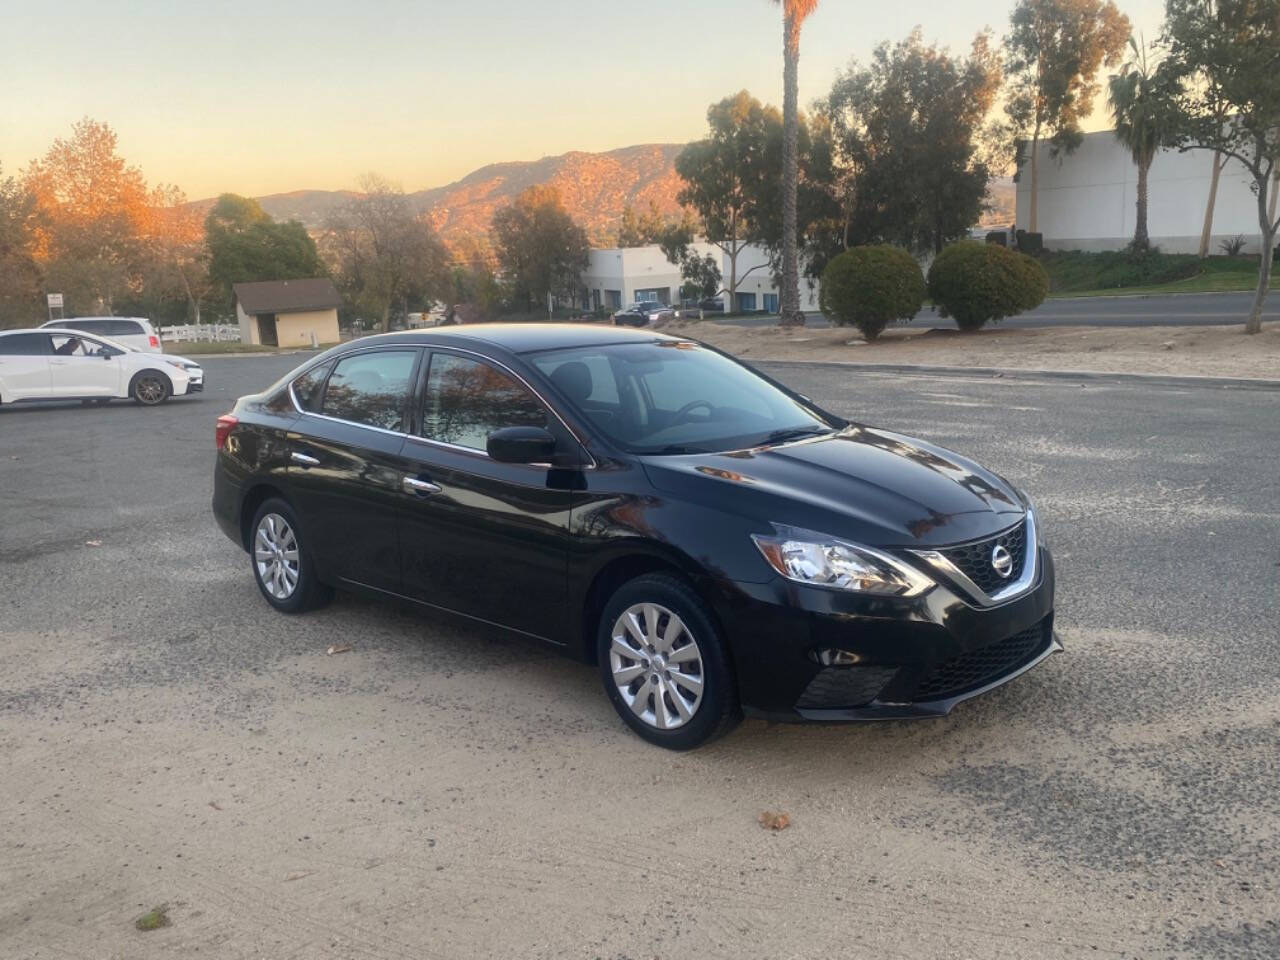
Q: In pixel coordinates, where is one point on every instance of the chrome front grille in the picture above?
(974, 559)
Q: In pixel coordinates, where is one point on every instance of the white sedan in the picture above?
(52, 364)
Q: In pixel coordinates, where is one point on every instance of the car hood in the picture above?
(867, 485)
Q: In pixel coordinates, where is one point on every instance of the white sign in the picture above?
(55, 300)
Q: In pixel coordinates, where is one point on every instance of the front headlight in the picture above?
(825, 561)
(181, 364)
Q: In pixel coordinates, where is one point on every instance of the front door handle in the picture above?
(304, 459)
(418, 487)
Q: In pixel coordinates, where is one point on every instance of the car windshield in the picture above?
(674, 397)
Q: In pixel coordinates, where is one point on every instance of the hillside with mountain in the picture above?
(594, 186)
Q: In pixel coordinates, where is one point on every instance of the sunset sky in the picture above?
(279, 95)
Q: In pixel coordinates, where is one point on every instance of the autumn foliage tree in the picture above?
(91, 218)
(19, 274)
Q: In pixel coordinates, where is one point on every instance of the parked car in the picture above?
(712, 304)
(712, 539)
(54, 364)
(643, 313)
(134, 332)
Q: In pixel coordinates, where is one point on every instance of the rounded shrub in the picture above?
(870, 287)
(976, 283)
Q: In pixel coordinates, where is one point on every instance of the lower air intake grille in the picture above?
(979, 667)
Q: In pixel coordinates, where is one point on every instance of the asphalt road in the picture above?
(166, 739)
(1182, 310)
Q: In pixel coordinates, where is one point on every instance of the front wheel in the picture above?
(663, 664)
(282, 564)
(150, 388)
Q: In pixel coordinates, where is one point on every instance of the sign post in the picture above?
(55, 300)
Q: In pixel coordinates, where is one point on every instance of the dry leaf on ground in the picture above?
(339, 648)
(774, 820)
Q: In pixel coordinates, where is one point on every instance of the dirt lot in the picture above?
(1212, 351)
(166, 739)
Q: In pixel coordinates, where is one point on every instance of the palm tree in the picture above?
(1140, 101)
(794, 13)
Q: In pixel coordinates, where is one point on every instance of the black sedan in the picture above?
(643, 314)
(713, 540)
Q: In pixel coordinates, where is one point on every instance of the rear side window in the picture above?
(306, 388)
(119, 328)
(370, 388)
(467, 400)
(25, 345)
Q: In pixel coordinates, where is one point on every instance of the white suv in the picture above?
(133, 332)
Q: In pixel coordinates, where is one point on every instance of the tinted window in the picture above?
(25, 345)
(370, 388)
(307, 387)
(467, 400)
(120, 328)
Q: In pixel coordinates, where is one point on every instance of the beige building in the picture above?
(288, 313)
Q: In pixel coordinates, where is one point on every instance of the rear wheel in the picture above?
(281, 562)
(150, 387)
(663, 663)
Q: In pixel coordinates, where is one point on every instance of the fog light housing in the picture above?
(832, 657)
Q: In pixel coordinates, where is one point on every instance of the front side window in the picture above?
(64, 346)
(466, 400)
(672, 397)
(370, 388)
(25, 345)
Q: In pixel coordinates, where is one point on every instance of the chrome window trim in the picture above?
(1011, 591)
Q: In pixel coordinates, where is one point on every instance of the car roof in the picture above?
(520, 337)
(54, 323)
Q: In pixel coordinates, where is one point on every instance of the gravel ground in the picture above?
(165, 739)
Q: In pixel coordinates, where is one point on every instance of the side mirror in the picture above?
(521, 445)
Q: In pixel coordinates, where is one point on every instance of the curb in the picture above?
(1029, 373)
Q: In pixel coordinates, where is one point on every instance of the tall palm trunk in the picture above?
(1141, 239)
(1033, 222)
(790, 314)
(1206, 233)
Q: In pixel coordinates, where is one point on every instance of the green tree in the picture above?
(1225, 55)
(909, 134)
(245, 244)
(19, 274)
(730, 175)
(1141, 100)
(1053, 53)
(794, 13)
(640, 230)
(385, 253)
(540, 249)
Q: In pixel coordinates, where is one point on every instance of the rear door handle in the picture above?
(418, 487)
(304, 459)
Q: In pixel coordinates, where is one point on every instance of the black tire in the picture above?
(150, 388)
(718, 711)
(308, 592)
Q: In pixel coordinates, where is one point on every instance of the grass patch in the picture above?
(154, 919)
(1077, 274)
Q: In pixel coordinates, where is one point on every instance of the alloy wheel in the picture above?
(275, 555)
(149, 390)
(657, 666)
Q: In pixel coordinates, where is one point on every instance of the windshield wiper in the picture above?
(794, 433)
(673, 449)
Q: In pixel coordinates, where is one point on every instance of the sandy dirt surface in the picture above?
(1221, 351)
(167, 739)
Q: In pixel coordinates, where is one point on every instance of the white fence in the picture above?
(201, 333)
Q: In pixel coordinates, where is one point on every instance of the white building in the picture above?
(1087, 199)
(618, 276)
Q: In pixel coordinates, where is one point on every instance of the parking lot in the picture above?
(165, 738)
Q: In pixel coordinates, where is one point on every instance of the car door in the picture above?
(83, 367)
(482, 538)
(345, 470)
(24, 366)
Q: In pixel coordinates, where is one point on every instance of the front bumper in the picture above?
(897, 658)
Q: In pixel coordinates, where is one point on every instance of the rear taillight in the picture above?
(153, 340)
(226, 423)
